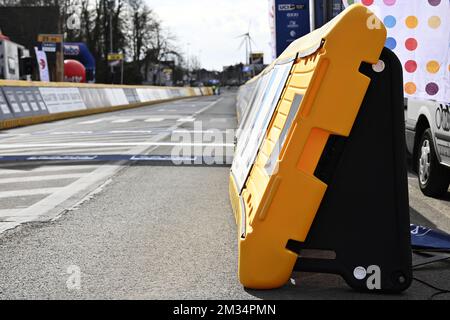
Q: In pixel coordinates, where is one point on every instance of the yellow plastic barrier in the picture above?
(276, 201)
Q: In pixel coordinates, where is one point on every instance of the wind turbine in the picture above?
(247, 41)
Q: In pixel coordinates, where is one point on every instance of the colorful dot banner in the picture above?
(419, 34)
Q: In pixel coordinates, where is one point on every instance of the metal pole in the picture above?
(121, 73)
(111, 4)
(189, 64)
(325, 11)
(312, 15)
(111, 38)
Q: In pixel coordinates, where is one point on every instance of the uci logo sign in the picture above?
(290, 7)
(286, 7)
(372, 274)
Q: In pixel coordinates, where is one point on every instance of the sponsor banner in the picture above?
(18, 102)
(164, 94)
(103, 95)
(35, 100)
(419, 34)
(132, 96)
(91, 98)
(5, 112)
(292, 21)
(62, 99)
(39, 100)
(116, 97)
(198, 91)
(147, 95)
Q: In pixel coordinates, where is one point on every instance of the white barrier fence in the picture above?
(20, 100)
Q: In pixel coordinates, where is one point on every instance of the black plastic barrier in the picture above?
(364, 217)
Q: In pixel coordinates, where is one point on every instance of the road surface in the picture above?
(148, 229)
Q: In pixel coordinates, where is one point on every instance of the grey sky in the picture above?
(211, 27)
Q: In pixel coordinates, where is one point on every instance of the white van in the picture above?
(428, 141)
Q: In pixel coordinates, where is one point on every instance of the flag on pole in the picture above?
(41, 58)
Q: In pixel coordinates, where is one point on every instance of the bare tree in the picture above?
(136, 31)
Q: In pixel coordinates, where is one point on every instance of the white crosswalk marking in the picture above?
(127, 144)
(130, 131)
(219, 120)
(93, 121)
(155, 120)
(71, 133)
(10, 213)
(46, 169)
(41, 178)
(24, 193)
(62, 150)
(35, 190)
(195, 131)
(122, 120)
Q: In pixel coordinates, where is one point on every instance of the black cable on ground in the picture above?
(440, 291)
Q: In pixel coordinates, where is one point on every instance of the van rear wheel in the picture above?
(434, 178)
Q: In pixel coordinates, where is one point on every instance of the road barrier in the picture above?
(24, 103)
(319, 181)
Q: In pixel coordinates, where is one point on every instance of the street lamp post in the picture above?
(111, 5)
(189, 63)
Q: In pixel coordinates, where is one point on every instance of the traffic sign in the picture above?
(115, 56)
(51, 38)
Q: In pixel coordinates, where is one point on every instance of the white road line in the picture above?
(10, 212)
(30, 192)
(47, 169)
(9, 135)
(186, 120)
(42, 178)
(71, 133)
(52, 151)
(130, 131)
(197, 131)
(93, 121)
(119, 144)
(122, 121)
(155, 120)
(221, 120)
(108, 137)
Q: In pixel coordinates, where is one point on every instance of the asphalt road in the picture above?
(143, 230)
